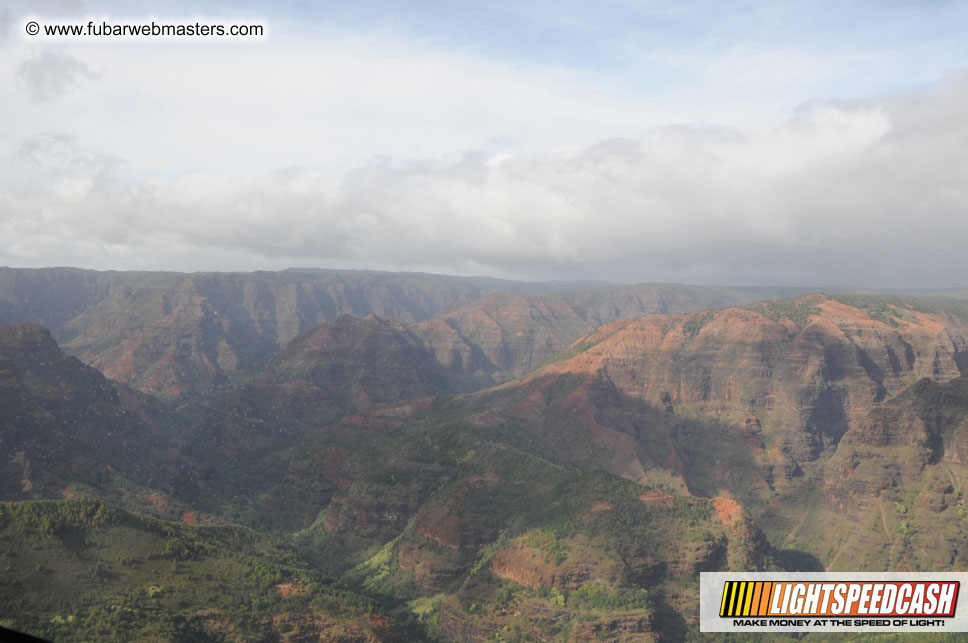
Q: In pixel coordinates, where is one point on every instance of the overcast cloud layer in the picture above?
(345, 141)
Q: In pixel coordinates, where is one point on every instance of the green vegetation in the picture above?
(477, 490)
(890, 309)
(372, 573)
(86, 570)
(796, 310)
(577, 348)
(601, 598)
(669, 298)
(54, 517)
(697, 321)
(485, 515)
(887, 309)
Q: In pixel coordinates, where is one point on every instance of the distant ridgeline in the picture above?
(184, 335)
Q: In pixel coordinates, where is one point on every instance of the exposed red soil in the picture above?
(530, 567)
(654, 498)
(290, 589)
(728, 510)
(488, 478)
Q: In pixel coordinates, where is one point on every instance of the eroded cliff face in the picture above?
(63, 422)
(516, 333)
(49, 296)
(535, 569)
(184, 335)
(584, 420)
(892, 496)
(345, 366)
(507, 335)
(768, 413)
(801, 387)
(606, 559)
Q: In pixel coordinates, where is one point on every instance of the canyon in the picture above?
(444, 458)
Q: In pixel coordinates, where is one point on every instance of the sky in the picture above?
(742, 143)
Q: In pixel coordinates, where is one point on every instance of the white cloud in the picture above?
(407, 154)
(50, 74)
(866, 193)
(336, 102)
(6, 23)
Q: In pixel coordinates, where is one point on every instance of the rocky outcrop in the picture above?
(432, 573)
(51, 296)
(803, 387)
(891, 497)
(445, 525)
(364, 518)
(584, 420)
(506, 335)
(534, 568)
(898, 442)
(181, 336)
(516, 334)
(177, 335)
(458, 626)
(64, 422)
(341, 367)
(635, 626)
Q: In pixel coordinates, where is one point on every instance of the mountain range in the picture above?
(392, 456)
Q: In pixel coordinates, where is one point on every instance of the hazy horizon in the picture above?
(544, 285)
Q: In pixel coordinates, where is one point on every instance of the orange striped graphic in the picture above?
(746, 598)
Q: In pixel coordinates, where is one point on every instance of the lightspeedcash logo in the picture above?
(831, 602)
(852, 598)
